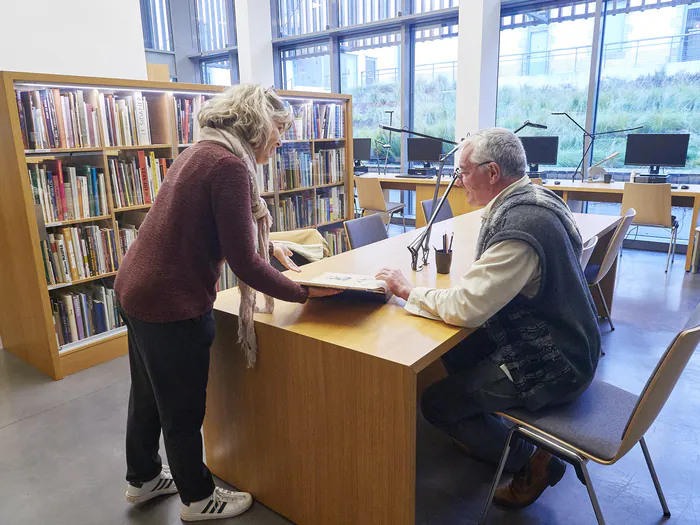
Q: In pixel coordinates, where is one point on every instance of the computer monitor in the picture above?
(656, 150)
(362, 150)
(424, 150)
(540, 150)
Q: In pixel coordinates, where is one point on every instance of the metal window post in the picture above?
(594, 82)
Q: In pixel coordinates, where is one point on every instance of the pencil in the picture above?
(452, 238)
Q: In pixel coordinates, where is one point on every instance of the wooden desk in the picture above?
(601, 192)
(323, 429)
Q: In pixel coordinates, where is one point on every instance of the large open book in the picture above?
(361, 287)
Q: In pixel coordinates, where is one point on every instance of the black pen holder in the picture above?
(443, 261)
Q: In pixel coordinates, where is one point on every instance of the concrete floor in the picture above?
(62, 453)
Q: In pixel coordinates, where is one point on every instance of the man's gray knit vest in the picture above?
(550, 343)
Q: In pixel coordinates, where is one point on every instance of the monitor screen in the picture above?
(362, 148)
(424, 150)
(541, 150)
(657, 149)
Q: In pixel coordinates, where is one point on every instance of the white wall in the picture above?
(74, 37)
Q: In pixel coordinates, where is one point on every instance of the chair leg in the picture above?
(670, 249)
(591, 494)
(499, 472)
(675, 243)
(605, 306)
(403, 215)
(654, 477)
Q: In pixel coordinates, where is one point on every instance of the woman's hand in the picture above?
(283, 255)
(397, 283)
(321, 292)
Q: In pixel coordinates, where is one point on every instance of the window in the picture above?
(155, 20)
(216, 72)
(544, 66)
(435, 81)
(213, 25)
(370, 70)
(300, 17)
(354, 12)
(307, 68)
(423, 6)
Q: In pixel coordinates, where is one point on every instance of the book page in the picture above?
(347, 281)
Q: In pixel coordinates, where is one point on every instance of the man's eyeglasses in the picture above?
(458, 170)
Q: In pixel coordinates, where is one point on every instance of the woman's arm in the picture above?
(230, 197)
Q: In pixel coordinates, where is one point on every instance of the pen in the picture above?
(444, 242)
(452, 238)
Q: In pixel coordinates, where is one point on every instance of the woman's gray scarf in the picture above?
(262, 221)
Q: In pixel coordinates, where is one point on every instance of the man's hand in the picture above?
(283, 255)
(397, 283)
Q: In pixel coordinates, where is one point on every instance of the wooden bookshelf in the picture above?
(26, 318)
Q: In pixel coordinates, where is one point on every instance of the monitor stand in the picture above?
(654, 170)
(359, 168)
(425, 171)
(534, 172)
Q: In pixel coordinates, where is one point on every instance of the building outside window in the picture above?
(355, 12)
(306, 68)
(216, 72)
(425, 6)
(301, 17)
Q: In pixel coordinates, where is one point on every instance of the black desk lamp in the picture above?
(529, 124)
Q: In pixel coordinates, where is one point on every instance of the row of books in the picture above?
(294, 167)
(316, 121)
(295, 211)
(136, 181)
(227, 279)
(186, 114)
(71, 254)
(337, 240)
(87, 311)
(68, 193)
(331, 166)
(330, 205)
(266, 183)
(49, 118)
(127, 236)
(125, 119)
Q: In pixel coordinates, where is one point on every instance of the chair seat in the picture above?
(591, 272)
(593, 423)
(394, 206)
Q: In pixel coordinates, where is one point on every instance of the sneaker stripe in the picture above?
(213, 509)
(204, 511)
(170, 483)
(157, 485)
(222, 507)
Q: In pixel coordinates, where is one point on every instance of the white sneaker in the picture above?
(158, 486)
(220, 505)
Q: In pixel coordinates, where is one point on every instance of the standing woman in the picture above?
(208, 209)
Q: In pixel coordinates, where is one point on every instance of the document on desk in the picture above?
(354, 286)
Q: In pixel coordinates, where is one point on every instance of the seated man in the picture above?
(539, 343)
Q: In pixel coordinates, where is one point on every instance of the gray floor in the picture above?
(62, 456)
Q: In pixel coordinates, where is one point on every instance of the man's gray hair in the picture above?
(501, 146)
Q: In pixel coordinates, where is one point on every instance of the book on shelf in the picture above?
(187, 110)
(74, 253)
(137, 181)
(302, 127)
(294, 166)
(129, 224)
(336, 239)
(68, 192)
(125, 119)
(86, 311)
(329, 121)
(227, 279)
(266, 183)
(295, 211)
(353, 286)
(330, 205)
(331, 166)
(51, 118)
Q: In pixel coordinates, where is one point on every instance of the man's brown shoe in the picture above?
(542, 470)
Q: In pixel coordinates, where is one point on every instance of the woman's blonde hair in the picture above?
(248, 110)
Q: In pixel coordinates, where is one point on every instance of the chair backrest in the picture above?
(536, 180)
(661, 383)
(588, 251)
(365, 230)
(652, 202)
(615, 245)
(444, 213)
(369, 194)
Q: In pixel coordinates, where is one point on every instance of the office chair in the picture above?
(444, 213)
(370, 198)
(365, 230)
(588, 251)
(606, 422)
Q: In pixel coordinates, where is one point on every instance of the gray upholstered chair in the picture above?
(605, 422)
(444, 213)
(365, 230)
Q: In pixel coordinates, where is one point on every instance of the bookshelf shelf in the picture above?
(133, 208)
(77, 221)
(81, 281)
(331, 223)
(28, 311)
(54, 151)
(88, 341)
